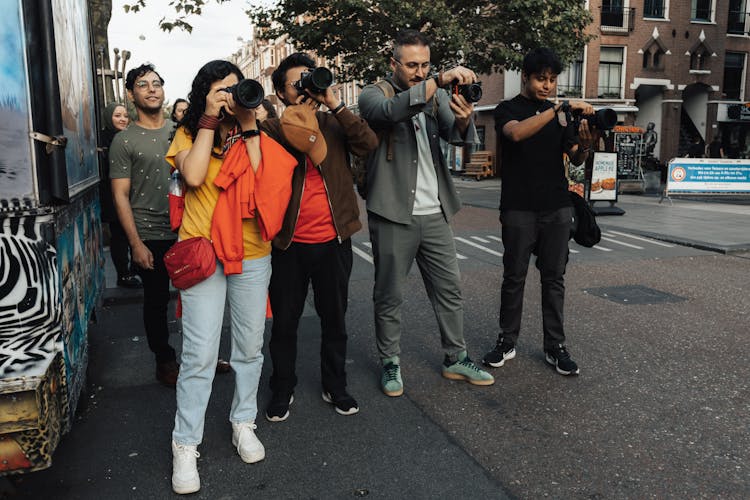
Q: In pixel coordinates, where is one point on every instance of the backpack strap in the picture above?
(389, 92)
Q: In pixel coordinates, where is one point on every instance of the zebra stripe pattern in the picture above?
(30, 308)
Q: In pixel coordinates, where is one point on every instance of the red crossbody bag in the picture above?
(190, 261)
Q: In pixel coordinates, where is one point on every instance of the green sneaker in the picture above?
(390, 380)
(465, 369)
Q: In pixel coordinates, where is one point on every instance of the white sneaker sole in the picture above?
(511, 355)
(186, 488)
(249, 458)
(553, 362)
(284, 416)
(328, 400)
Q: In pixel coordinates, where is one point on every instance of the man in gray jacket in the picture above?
(411, 199)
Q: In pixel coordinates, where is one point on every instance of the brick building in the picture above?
(680, 64)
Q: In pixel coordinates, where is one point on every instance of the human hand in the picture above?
(216, 99)
(584, 107)
(459, 74)
(462, 109)
(142, 256)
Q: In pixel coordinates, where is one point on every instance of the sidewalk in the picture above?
(708, 224)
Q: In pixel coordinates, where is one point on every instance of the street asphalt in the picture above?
(660, 409)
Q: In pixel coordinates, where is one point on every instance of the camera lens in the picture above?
(473, 92)
(248, 93)
(316, 80)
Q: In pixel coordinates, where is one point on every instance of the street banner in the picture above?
(604, 177)
(708, 176)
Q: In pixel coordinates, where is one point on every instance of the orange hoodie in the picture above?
(263, 194)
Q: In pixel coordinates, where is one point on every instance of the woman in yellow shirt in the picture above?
(214, 123)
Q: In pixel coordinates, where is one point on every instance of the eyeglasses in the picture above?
(142, 84)
(413, 66)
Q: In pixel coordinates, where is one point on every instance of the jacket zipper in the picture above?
(330, 205)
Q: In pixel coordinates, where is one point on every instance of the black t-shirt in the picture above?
(714, 149)
(533, 172)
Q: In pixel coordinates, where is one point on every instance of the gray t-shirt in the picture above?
(138, 153)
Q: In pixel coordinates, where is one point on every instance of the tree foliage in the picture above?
(485, 35)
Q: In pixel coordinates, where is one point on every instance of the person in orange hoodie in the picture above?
(221, 154)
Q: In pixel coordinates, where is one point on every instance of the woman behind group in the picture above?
(115, 118)
(210, 139)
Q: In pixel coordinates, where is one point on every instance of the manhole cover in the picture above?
(633, 294)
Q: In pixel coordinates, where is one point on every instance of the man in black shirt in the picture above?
(535, 207)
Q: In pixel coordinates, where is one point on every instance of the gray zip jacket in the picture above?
(391, 185)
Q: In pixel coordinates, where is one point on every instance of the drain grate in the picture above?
(634, 294)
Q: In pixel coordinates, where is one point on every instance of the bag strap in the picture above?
(389, 92)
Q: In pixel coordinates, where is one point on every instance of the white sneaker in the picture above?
(248, 445)
(185, 478)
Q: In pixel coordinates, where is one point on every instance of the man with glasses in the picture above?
(140, 185)
(314, 245)
(411, 199)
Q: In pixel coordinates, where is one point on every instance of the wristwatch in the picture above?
(247, 134)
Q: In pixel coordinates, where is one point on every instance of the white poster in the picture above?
(604, 177)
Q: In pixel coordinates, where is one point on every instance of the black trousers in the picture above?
(328, 267)
(545, 234)
(156, 301)
(119, 248)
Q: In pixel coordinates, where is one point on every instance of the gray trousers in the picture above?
(429, 240)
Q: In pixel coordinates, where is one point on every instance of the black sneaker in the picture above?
(559, 358)
(502, 352)
(278, 409)
(342, 402)
(129, 281)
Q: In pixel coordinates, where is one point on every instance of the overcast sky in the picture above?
(178, 56)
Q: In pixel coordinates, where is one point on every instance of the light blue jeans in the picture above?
(202, 314)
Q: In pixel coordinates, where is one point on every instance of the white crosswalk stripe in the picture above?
(629, 245)
(477, 245)
(603, 249)
(480, 240)
(362, 254)
(639, 238)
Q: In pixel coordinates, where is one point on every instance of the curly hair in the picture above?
(138, 72)
(208, 74)
(540, 60)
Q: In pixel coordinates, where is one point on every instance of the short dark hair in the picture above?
(541, 59)
(408, 37)
(270, 109)
(278, 77)
(138, 72)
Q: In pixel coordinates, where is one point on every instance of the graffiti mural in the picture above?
(76, 92)
(16, 181)
(30, 309)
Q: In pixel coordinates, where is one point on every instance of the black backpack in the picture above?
(585, 231)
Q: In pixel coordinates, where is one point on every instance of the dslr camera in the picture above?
(603, 119)
(247, 93)
(472, 92)
(316, 81)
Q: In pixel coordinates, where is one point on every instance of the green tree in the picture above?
(485, 35)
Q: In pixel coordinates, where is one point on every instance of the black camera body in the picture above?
(247, 93)
(472, 92)
(316, 81)
(602, 119)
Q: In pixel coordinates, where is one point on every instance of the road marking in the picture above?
(647, 240)
(573, 250)
(480, 240)
(362, 254)
(496, 238)
(490, 251)
(622, 243)
(369, 259)
(603, 249)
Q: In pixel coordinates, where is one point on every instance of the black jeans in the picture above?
(546, 234)
(328, 266)
(156, 301)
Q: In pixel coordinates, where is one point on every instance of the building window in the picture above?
(734, 70)
(570, 81)
(737, 17)
(654, 9)
(699, 58)
(653, 57)
(610, 72)
(701, 10)
(480, 137)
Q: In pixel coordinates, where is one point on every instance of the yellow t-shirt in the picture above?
(201, 201)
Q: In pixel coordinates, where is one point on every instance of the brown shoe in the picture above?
(223, 366)
(166, 373)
